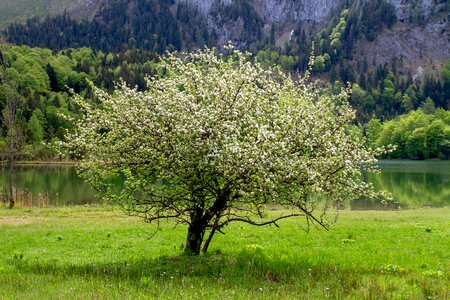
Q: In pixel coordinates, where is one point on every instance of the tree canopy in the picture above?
(214, 139)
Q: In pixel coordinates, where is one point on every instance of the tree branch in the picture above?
(249, 221)
(309, 215)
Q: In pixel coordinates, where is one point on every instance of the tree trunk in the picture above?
(4, 193)
(194, 239)
(208, 240)
(11, 183)
(200, 218)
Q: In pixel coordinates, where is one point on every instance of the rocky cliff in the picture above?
(280, 11)
(407, 10)
(420, 40)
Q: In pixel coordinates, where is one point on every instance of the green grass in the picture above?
(98, 252)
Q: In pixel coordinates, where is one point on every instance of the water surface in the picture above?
(413, 184)
(46, 185)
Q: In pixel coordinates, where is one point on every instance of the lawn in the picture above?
(99, 253)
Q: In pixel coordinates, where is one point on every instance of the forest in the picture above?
(421, 134)
(45, 60)
(41, 82)
(37, 85)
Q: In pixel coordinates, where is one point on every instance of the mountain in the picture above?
(420, 37)
(371, 43)
(421, 29)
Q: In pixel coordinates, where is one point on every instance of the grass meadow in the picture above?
(90, 252)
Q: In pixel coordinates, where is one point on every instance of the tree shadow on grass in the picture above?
(252, 264)
(249, 270)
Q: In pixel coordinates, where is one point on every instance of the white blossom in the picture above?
(215, 129)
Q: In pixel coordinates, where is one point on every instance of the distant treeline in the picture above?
(120, 25)
(150, 25)
(420, 134)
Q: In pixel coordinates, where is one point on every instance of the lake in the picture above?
(413, 184)
(47, 185)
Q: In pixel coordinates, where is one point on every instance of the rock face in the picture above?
(286, 14)
(411, 43)
(279, 11)
(87, 8)
(408, 10)
(420, 38)
(282, 11)
(202, 5)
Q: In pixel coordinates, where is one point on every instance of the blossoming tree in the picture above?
(213, 140)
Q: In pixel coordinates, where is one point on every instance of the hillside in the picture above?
(20, 10)
(419, 40)
(420, 34)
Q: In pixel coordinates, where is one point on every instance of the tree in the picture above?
(428, 106)
(416, 144)
(36, 131)
(359, 101)
(374, 128)
(9, 119)
(215, 140)
(407, 104)
(445, 75)
(319, 64)
(435, 136)
(53, 78)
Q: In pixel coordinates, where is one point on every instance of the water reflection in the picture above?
(413, 184)
(42, 186)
